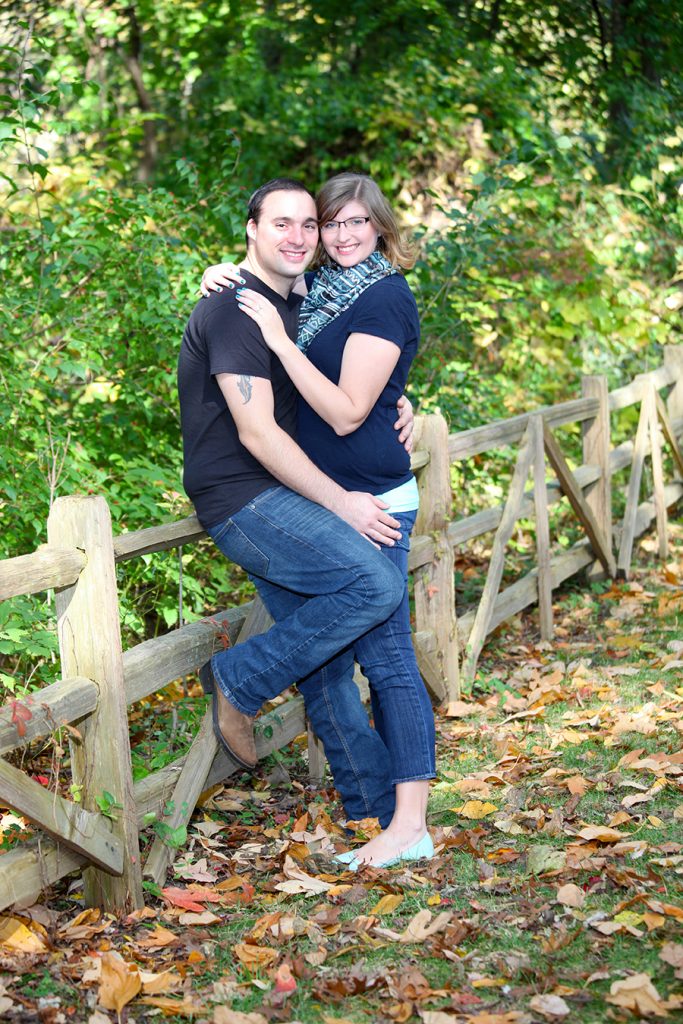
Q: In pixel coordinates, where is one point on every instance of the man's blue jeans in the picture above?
(365, 762)
(343, 584)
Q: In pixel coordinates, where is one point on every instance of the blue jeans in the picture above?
(366, 763)
(344, 586)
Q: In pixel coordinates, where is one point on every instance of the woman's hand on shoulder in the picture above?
(219, 276)
(265, 315)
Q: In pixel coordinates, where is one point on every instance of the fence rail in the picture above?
(101, 680)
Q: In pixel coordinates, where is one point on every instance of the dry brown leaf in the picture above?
(460, 709)
(207, 917)
(549, 1006)
(672, 953)
(437, 1017)
(637, 993)
(154, 984)
(223, 1015)
(577, 785)
(158, 938)
(601, 834)
(186, 1007)
(420, 927)
(255, 956)
(299, 882)
(15, 935)
(119, 982)
(571, 895)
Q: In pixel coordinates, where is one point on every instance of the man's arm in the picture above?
(250, 402)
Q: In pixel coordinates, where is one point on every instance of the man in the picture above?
(301, 537)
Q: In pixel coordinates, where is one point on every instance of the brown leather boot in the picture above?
(234, 730)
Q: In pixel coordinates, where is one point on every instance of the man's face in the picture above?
(282, 243)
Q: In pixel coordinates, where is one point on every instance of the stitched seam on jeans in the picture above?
(340, 735)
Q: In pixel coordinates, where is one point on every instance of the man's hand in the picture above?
(366, 514)
(405, 423)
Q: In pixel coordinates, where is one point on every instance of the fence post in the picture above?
(434, 585)
(596, 449)
(90, 645)
(673, 360)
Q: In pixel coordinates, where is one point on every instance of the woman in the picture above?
(358, 334)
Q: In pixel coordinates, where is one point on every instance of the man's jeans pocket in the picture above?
(236, 546)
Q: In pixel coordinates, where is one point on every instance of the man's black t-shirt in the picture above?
(220, 474)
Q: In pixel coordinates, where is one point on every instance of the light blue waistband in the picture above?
(404, 498)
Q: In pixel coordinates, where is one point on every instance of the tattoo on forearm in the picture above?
(244, 384)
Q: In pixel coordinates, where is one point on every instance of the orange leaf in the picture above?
(20, 716)
(182, 898)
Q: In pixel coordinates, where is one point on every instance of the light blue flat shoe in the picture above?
(422, 850)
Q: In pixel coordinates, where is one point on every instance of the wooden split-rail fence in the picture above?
(89, 706)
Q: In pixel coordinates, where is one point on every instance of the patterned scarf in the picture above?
(334, 290)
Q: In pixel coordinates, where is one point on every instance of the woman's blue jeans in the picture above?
(365, 762)
(343, 587)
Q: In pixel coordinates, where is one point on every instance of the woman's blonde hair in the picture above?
(345, 187)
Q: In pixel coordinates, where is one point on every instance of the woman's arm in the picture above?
(367, 364)
(226, 275)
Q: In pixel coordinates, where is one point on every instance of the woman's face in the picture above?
(347, 243)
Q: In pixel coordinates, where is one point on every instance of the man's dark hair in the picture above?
(257, 198)
(274, 185)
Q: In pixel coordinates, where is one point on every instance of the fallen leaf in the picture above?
(475, 809)
(224, 1015)
(672, 953)
(577, 785)
(207, 917)
(119, 982)
(420, 927)
(15, 935)
(299, 882)
(182, 898)
(388, 904)
(637, 993)
(154, 984)
(601, 834)
(571, 895)
(549, 1006)
(460, 708)
(255, 956)
(158, 938)
(186, 1007)
(545, 858)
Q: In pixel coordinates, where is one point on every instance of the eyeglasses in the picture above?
(351, 223)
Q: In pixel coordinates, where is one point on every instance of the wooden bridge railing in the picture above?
(101, 680)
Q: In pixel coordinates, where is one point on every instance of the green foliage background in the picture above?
(536, 152)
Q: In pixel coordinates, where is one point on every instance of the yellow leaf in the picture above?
(119, 982)
(388, 904)
(655, 821)
(15, 935)
(475, 809)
